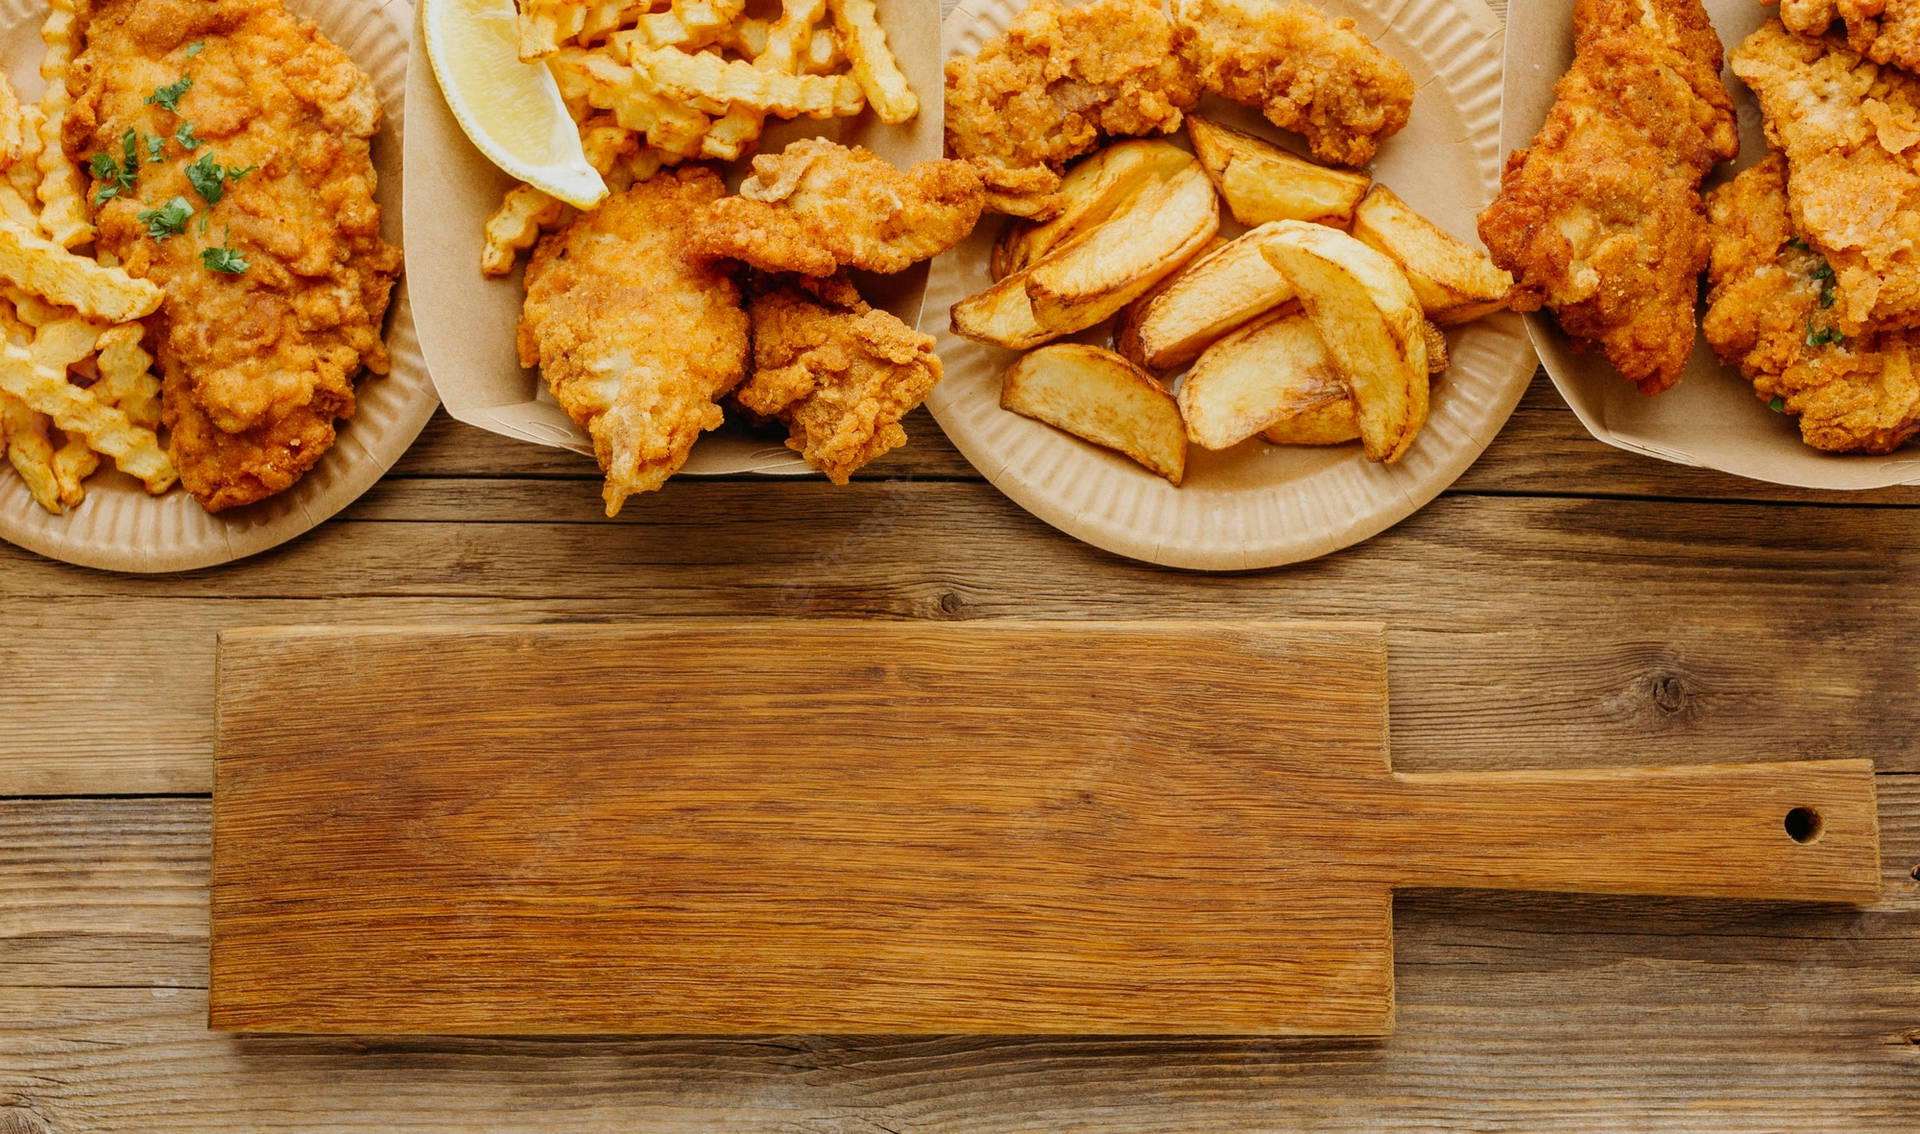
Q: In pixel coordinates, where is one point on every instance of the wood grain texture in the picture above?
(842, 827)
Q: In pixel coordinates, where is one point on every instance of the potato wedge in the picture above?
(1093, 191)
(1367, 315)
(1169, 327)
(1263, 182)
(1455, 282)
(1098, 396)
(1091, 277)
(1335, 423)
(999, 316)
(1273, 368)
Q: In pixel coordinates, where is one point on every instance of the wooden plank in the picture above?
(1523, 1012)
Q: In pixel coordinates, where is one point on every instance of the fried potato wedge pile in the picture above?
(1318, 325)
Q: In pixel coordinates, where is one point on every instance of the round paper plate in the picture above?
(120, 527)
(1260, 505)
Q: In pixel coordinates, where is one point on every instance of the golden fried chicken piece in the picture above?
(1305, 70)
(258, 360)
(1600, 219)
(819, 206)
(1885, 31)
(1850, 130)
(1770, 313)
(838, 373)
(636, 338)
(1053, 84)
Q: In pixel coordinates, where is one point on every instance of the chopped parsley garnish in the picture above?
(168, 97)
(156, 149)
(225, 259)
(1823, 336)
(196, 49)
(1824, 273)
(209, 178)
(169, 219)
(1778, 405)
(1802, 245)
(117, 176)
(185, 136)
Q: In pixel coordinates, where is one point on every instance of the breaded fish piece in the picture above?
(258, 361)
(1601, 220)
(1770, 313)
(1055, 83)
(839, 374)
(1885, 31)
(1304, 69)
(819, 206)
(636, 338)
(1850, 130)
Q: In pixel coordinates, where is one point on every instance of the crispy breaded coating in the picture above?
(1304, 69)
(257, 364)
(1601, 220)
(1770, 313)
(819, 206)
(1850, 130)
(838, 373)
(636, 338)
(1885, 31)
(1055, 83)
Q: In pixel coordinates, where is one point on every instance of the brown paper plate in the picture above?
(120, 527)
(1711, 419)
(1259, 505)
(467, 321)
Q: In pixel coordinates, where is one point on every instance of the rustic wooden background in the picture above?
(1565, 604)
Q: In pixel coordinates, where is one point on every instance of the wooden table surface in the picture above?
(1564, 605)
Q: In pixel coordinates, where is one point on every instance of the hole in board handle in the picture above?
(1803, 825)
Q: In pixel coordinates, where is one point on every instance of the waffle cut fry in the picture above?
(874, 67)
(75, 411)
(62, 191)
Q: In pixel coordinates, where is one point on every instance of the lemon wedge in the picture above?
(511, 110)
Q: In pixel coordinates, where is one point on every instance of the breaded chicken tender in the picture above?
(1850, 130)
(839, 374)
(1885, 31)
(636, 338)
(1601, 220)
(1770, 313)
(1055, 83)
(1304, 69)
(819, 206)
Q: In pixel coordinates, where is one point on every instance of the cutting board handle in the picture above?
(1802, 831)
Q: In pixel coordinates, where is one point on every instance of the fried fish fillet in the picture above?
(1601, 220)
(1053, 84)
(1850, 130)
(636, 338)
(839, 374)
(1885, 31)
(1770, 313)
(1304, 69)
(818, 206)
(257, 364)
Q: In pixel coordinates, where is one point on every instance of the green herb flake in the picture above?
(185, 136)
(1796, 242)
(168, 97)
(1825, 336)
(225, 259)
(168, 220)
(116, 178)
(209, 178)
(1778, 405)
(196, 49)
(130, 152)
(156, 149)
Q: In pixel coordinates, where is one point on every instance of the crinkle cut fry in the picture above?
(134, 450)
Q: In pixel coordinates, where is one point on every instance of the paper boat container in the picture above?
(466, 321)
(1712, 418)
(120, 527)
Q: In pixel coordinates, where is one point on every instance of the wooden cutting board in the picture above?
(732, 827)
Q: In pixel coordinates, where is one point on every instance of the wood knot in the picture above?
(1669, 695)
(952, 605)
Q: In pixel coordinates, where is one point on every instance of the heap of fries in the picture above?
(654, 84)
(1320, 325)
(75, 383)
